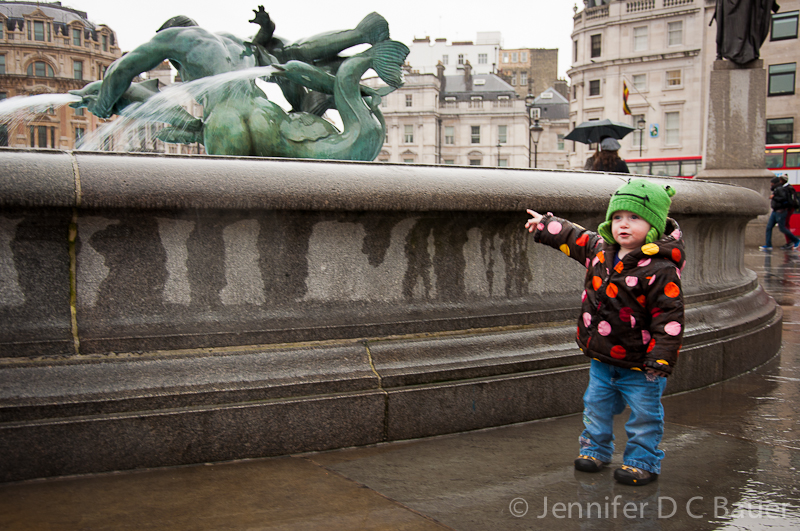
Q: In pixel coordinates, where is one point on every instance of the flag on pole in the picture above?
(625, 108)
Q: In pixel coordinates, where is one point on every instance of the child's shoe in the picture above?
(586, 463)
(637, 477)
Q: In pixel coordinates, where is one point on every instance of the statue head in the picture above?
(181, 21)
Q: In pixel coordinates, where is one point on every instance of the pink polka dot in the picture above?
(678, 271)
(604, 328)
(587, 319)
(652, 279)
(588, 263)
(631, 281)
(673, 328)
(676, 234)
(583, 296)
(633, 321)
(645, 337)
(595, 260)
(625, 314)
(554, 227)
(644, 262)
(540, 226)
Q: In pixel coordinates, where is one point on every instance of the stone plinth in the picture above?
(736, 132)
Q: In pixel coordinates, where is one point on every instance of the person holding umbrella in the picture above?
(607, 159)
(602, 131)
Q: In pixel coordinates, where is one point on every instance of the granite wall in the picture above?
(160, 310)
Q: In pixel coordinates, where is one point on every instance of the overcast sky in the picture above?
(523, 24)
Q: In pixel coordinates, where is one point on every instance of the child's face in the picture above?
(628, 229)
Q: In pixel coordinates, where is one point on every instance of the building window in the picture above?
(505, 57)
(674, 79)
(594, 87)
(445, 59)
(3, 135)
(483, 59)
(408, 134)
(461, 58)
(475, 134)
(502, 134)
(42, 134)
(523, 57)
(514, 57)
(40, 69)
(523, 79)
(2, 64)
(77, 69)
(574, 92)
(76, 36)
(784, 26)
(672, 128)
(103, 69)
(79, 111)
(408, 161)
(640, 39)
(596, 45)
(449, 161)
(449, 135)
(780, 131)
(38, 31)
(781, 79)
(409, 100)
(675, 33)
(560, 142)
(640, 82)
(575, 51)
(474, 162)
(502, 163)
(105, 43)
(514, 79)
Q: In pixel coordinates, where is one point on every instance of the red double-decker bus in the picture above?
(686, 167)
(784, 159)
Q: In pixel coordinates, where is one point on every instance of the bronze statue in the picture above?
(742, 27)
(238, 118)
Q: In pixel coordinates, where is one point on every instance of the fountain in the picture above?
(159, 310)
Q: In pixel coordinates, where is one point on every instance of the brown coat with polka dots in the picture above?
(632, 313)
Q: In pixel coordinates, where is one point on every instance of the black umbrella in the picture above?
(596, 130)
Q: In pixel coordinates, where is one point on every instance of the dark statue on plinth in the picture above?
(742, 27)
(238, 117)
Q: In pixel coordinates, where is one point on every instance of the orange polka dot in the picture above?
(641, 299)
(619, 267)
(612, 290)
(582, 240)
(596, 282)
(618, 352)
(564, 249)
(652, 345)
(672, 290)
(676, 254)
(602, 257)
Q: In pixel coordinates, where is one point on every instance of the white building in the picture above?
(483, 54)
(664, 51)
(470, 120)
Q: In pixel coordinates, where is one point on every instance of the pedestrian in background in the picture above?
(780, 201)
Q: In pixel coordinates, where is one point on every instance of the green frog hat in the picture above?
(647, 199)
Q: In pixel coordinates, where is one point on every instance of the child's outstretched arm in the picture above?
(570, 238)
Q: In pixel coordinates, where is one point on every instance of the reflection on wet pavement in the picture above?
(733, 456)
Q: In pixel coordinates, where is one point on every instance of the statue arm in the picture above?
(120, 74)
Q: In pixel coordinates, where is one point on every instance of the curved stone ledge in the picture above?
(207, 308)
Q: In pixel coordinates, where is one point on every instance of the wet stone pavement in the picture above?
(733, 462)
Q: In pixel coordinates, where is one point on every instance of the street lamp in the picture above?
(498, 153)
(536, 129)
(529, 99)
(640, 126)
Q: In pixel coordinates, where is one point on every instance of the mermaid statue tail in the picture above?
(373, 28)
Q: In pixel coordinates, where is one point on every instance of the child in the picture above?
(631, 322)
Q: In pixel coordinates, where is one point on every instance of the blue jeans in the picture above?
(610, 388)
(779, 218)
